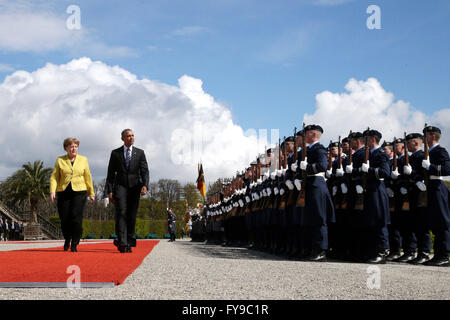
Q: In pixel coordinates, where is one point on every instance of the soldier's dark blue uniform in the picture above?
(376, 214)
(438, 201)
(319, 209)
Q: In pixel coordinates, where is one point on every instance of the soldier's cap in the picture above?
(372, 133)
(355, 135)
(269, 150)
(300, 133)
(386, 144)
(313, 127)
(413, 136)
(290, 139)
(253, 163)
(333, 144)
(398, 140)
(431, 129)
(345, 140)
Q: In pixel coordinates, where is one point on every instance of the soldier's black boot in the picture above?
(422, 257)
(317, 256)
(439, 260)
(407, 257)
(378, 258)
(394, 255)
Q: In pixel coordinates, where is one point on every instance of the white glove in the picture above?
(276, 191)
(344, 188)
(395, 174)
(359, 189)
(407, 169)
(334, 190)
(339, 172)
(279, 173)
(289, 185)
(281, 191)
(298, 184)
(273, 175)
(268, 191)
(421, 186)
(426, 163)
(105, 202)
(294, 167)
(303, 164)
(389, 192)
(264, 194)
(365, 167)
(403, 190)
(328, 173)
(241, 203)
(349, 168)
(256, 196)
(247, 199)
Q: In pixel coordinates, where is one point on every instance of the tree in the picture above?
(192, 195)
(28, 185)
(168, 191)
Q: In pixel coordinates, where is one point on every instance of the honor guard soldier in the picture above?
(376, 215)
(355, 193)
(319, 210)
(418, 232)
(437, 165)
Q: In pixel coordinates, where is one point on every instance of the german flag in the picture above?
(201, 181)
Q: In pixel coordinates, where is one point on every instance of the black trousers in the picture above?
(70, 210)
(126, 202)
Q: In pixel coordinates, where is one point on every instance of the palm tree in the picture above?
(28, 185)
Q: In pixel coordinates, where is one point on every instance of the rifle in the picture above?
(302, 193)
(359, 204)
(293, 193)
(423, 195)
(405, 201)
(394, 167)
(348, 177)
(283, 197)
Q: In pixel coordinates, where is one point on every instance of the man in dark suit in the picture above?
(127, 180)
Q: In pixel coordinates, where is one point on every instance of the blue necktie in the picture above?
(128, 158)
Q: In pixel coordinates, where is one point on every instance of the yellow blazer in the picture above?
(78, 174)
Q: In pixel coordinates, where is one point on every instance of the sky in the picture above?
(214, 81)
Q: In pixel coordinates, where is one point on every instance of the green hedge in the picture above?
(144, 227)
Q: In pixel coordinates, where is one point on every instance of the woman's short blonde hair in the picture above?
(69, 141)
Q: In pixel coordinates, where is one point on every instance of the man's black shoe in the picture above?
(122, 249)
(438, 261)
(132, 242)
(317, 256)
(116, 243)
(422, 257)
(379, 258)
(407, 257)
(128, 249)
(394, 255)
(66, 244)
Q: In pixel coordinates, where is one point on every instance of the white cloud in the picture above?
(28, 27)
(368, 104)
(176, 125)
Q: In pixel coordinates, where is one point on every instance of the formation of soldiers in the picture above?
(357, 200)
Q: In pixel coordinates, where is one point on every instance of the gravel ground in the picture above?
(185, 270)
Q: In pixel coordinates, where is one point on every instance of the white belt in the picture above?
(436, 178)
(320, 174)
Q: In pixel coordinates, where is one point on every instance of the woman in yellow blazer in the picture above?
(71, 184)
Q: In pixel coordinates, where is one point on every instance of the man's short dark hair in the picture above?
(125, 131)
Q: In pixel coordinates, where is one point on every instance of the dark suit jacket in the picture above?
(118, 174)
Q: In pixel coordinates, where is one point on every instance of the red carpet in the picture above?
(98, 263)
